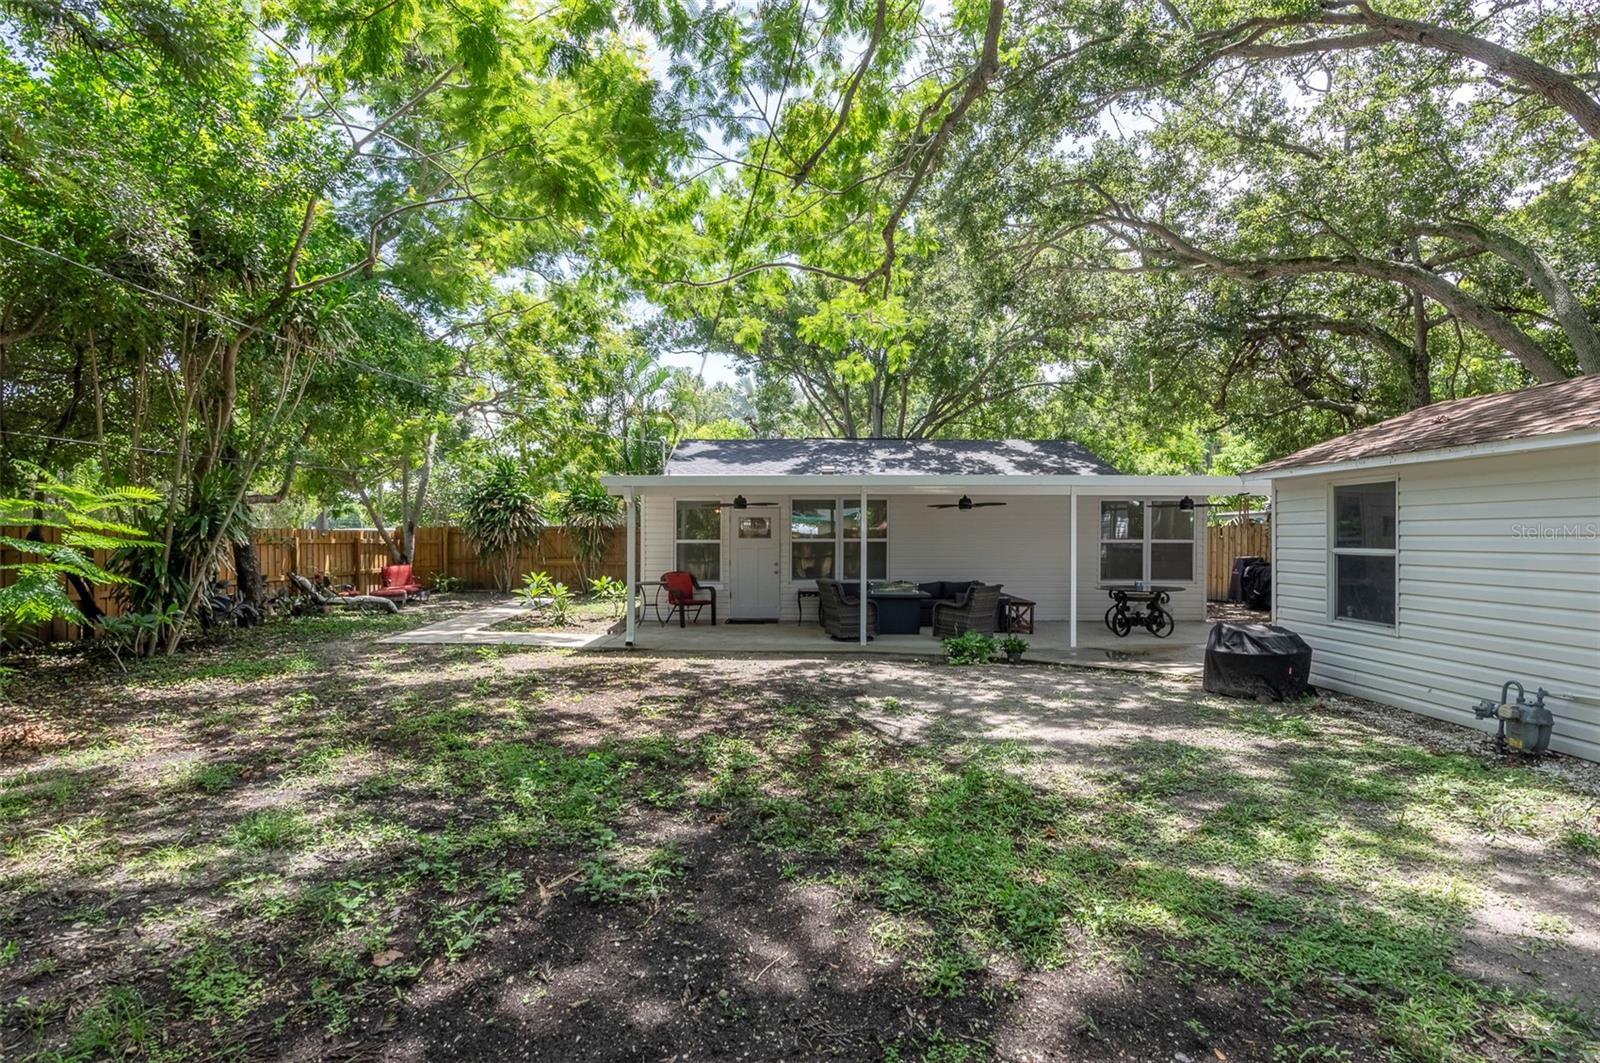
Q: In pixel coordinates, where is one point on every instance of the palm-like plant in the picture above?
(503, 510)
(589, 512)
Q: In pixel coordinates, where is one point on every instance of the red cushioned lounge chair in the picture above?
(684, 592)
(398, 582)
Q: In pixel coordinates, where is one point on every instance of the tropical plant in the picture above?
(535, 586)
(969, 647)
(589, 512)
(553, 599)
(131, 633)
(611, 591)
(1013, 646)
(86, 515)
(560, 605)
(502, 512)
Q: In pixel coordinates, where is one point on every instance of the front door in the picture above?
(755, 564)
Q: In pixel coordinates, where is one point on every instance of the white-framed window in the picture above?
(698, 536)
(814, 538)
(1171, 543)
(1146, 539)
(825, 538)
(1363, 552)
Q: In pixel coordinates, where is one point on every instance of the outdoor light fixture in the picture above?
(1186, 504)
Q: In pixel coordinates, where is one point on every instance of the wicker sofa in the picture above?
(840, 613)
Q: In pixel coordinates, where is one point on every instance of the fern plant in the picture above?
(86, 515)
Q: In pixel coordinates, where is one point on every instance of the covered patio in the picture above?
(766, 525)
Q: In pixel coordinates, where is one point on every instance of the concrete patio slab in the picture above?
(1182, 654)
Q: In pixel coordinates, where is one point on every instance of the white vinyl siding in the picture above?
(1483, 596)
(1022, 545)
(1188, 605)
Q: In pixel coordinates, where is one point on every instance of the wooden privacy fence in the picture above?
(357, 557)
(1224, 542)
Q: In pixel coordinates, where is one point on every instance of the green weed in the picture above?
(268, 829)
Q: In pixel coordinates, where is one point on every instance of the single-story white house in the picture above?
(1432, 557)
(761, 520)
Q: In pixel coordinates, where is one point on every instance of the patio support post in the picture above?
(1072, 569)
(630, 563)
(862, 543)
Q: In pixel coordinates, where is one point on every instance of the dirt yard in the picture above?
(303, 844)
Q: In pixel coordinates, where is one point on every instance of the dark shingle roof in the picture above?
(1548, 409)
(888, 457)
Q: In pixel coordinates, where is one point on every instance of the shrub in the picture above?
(535, 586)
(558, 609)
(611, 591)
(554, 599)
(503, 510)
(971, 647)
(589, 512)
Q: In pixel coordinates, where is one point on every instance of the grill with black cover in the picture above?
(1256, 661)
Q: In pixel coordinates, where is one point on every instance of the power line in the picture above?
(451, 406)
(168, 451)
(217, 314)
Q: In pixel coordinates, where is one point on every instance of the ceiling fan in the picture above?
(741, 502)
(965, 503)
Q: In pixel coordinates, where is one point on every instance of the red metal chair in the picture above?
(684, 592)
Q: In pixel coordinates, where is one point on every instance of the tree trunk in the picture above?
(247, 570)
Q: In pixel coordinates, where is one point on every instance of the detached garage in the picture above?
(1431, 558)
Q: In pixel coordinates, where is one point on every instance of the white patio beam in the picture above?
(861, 586)
(630, 563)
(1072, 570)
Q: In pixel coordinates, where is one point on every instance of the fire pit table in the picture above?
(899, 608)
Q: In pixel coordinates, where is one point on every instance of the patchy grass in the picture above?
(382, 837)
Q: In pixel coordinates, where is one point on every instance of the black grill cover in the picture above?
(1256, 583)
(1236, 579)
(1256, 661)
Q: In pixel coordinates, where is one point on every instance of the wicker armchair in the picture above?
(975, 611)
(841, 615)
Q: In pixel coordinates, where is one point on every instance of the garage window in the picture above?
(1364, 555)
